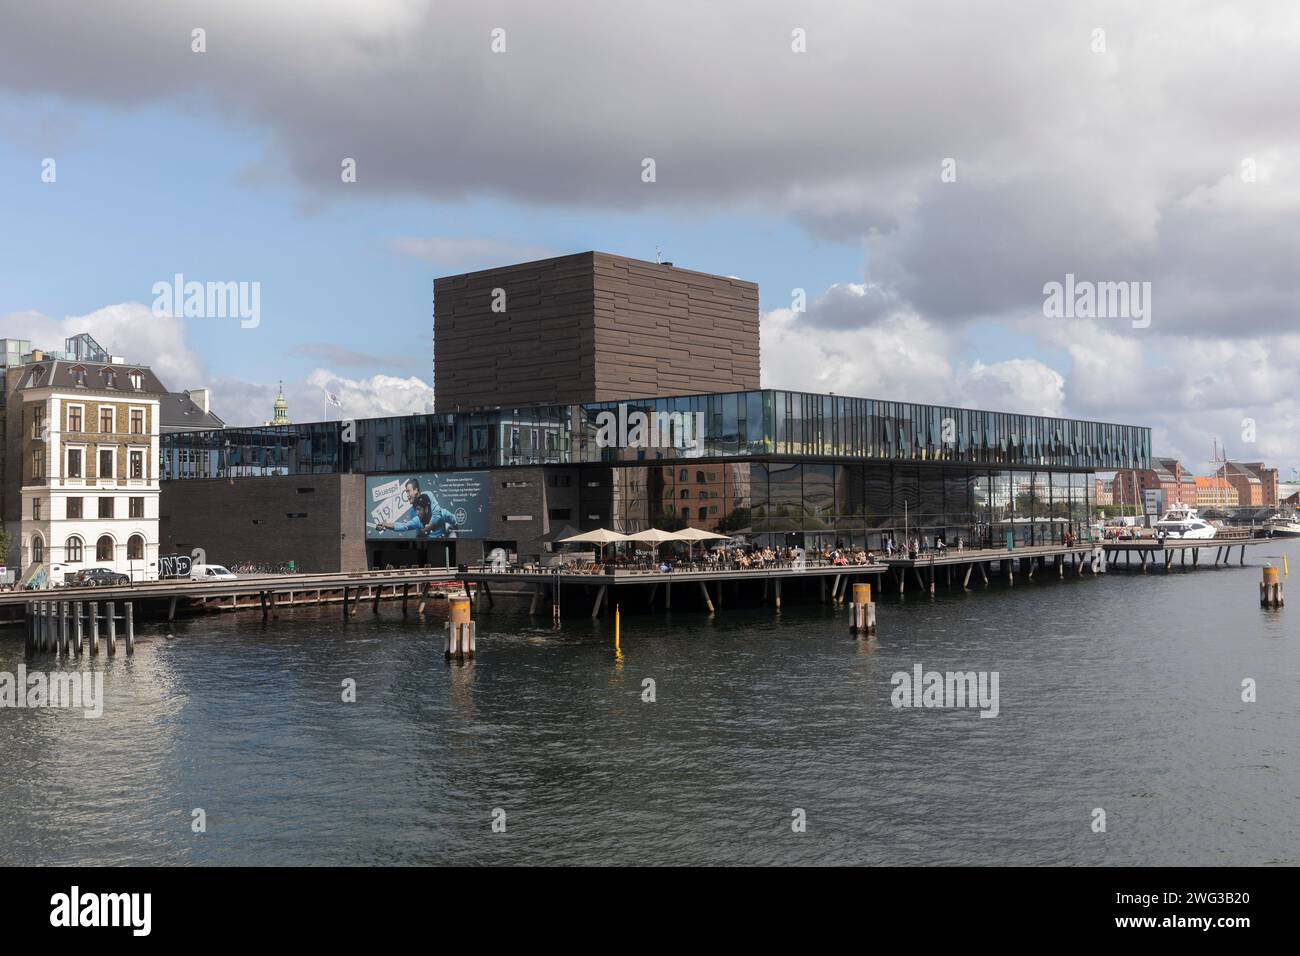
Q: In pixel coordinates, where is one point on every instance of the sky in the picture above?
(904, 181)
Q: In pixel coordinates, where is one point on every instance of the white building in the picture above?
(84, 433)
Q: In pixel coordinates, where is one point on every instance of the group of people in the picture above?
(914, 548)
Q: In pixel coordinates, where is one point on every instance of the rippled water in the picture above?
(1122, 692)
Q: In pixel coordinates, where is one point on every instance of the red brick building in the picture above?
(1165, 474)
(1255, 484)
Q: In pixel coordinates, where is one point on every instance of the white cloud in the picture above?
(130, 329)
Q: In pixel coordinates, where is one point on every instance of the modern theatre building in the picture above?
(598, 391)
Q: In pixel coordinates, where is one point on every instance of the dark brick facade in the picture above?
(313, 520)
(591, 327)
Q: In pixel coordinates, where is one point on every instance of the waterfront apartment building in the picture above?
(1103, 491)
(624, 394)
(1256, 485)
(80, 460)
(1215, 493)
(1166, 475)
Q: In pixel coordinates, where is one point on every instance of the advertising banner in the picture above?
(425, 507)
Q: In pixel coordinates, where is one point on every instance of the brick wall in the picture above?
(591, 327)
(261, 519)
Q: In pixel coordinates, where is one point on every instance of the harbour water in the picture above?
(1122, 692)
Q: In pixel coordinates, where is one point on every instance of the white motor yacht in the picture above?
(1183, 522)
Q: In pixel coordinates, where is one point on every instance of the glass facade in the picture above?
(775, 466)
(734, 425)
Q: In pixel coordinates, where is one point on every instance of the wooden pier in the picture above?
(267, 593)
(1058, 560)
(644, 588)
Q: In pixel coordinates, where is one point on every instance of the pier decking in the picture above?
(647, 584)
(1059, 559)
(264, 592)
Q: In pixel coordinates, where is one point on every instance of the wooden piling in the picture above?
(1270, 588)
(862, 612)
(460, 637)
(130, 627)
(94, 628)
(80, 634)
(111, 613)
(708, 602)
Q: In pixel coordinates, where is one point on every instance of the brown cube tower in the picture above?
(590, 327)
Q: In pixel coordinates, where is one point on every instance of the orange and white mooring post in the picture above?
(459, 640)
(1270, 588)
(862, 612)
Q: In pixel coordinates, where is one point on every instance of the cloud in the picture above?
(1169, 158)
(131, 330)
(128, 329)
(1114, 165)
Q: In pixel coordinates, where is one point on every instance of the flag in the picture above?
(334, 400)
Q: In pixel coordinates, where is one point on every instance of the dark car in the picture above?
(96, 578)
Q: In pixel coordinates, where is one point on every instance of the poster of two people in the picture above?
(427, 506)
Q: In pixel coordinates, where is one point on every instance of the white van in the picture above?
(211, 572)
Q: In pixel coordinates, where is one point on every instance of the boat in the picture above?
(1281, 526)
(1183, 522)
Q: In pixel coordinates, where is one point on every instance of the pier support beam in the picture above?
(704, 590)
(600, 599)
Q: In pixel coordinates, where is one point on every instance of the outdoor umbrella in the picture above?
(691, 535)
(601, 536)
(655, 536)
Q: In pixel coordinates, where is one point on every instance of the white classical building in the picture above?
(87, 445)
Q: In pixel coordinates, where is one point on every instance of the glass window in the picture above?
(104, 548)
(72, 550)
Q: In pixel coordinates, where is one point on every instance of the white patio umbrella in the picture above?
(655, 535)
(601, 536)
(691, 535)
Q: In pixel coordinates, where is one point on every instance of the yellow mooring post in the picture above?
(862, 612)
(1270, 588)
(616, 647)
(460, 638)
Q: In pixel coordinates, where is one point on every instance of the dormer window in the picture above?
(110, 378)
(79, 375)
(37, 376)
(137, 379)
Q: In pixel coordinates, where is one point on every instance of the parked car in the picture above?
(95, 578)
(211, 572)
